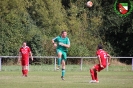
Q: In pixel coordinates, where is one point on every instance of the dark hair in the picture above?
(100, 46)
(63, 32)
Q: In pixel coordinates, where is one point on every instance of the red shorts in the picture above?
(25, 62)
(98, 67)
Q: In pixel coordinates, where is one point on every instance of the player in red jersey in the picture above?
(102, 58)
(24, 54)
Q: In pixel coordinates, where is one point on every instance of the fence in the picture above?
(54, 57)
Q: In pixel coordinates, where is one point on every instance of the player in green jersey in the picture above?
(61, 43)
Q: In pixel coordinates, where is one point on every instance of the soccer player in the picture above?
(61, 43)
(24, 54)
(102, 58)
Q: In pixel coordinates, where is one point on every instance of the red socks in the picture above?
(95, 75)
(92, 74)
(25, 72)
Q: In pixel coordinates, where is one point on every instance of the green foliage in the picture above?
(38, 21)
(118, 30)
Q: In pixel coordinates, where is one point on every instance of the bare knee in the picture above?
(63, 64)
(59, 55)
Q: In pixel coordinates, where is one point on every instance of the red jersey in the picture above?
(25, 52)
(103, 56)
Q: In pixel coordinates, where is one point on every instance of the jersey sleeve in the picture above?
(29, 49)
(68, 41)
(55, 39)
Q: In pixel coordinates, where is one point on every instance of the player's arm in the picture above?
(31, 56)
(53, 42)
(19, 57)
(66, 45)
(99, 59)
(109, 59)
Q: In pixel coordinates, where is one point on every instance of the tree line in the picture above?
(38, 21)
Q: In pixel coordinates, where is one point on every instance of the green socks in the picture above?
(63, 72)
(59, 62)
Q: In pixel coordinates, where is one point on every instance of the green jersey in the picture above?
(65, 40)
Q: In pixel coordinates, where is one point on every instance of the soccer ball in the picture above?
(89, 4)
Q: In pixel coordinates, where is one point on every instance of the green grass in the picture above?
(46, 77)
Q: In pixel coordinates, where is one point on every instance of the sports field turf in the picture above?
(47, 78)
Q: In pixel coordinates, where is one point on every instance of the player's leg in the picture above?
(23, 72)
(64, 56)
(63, 69)
(92, 71)
(95, 75)
(59, 53)
(99, 68)
(26, 70)
(25, 67)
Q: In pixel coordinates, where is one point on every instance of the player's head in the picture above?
(99, 46)
(24, 44)
(63, 34)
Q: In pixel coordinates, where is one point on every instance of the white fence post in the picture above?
(107, 65)
(81, 64)
(132, 64)
(54, 63)
(0, 63)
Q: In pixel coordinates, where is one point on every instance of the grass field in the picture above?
(46, 77)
